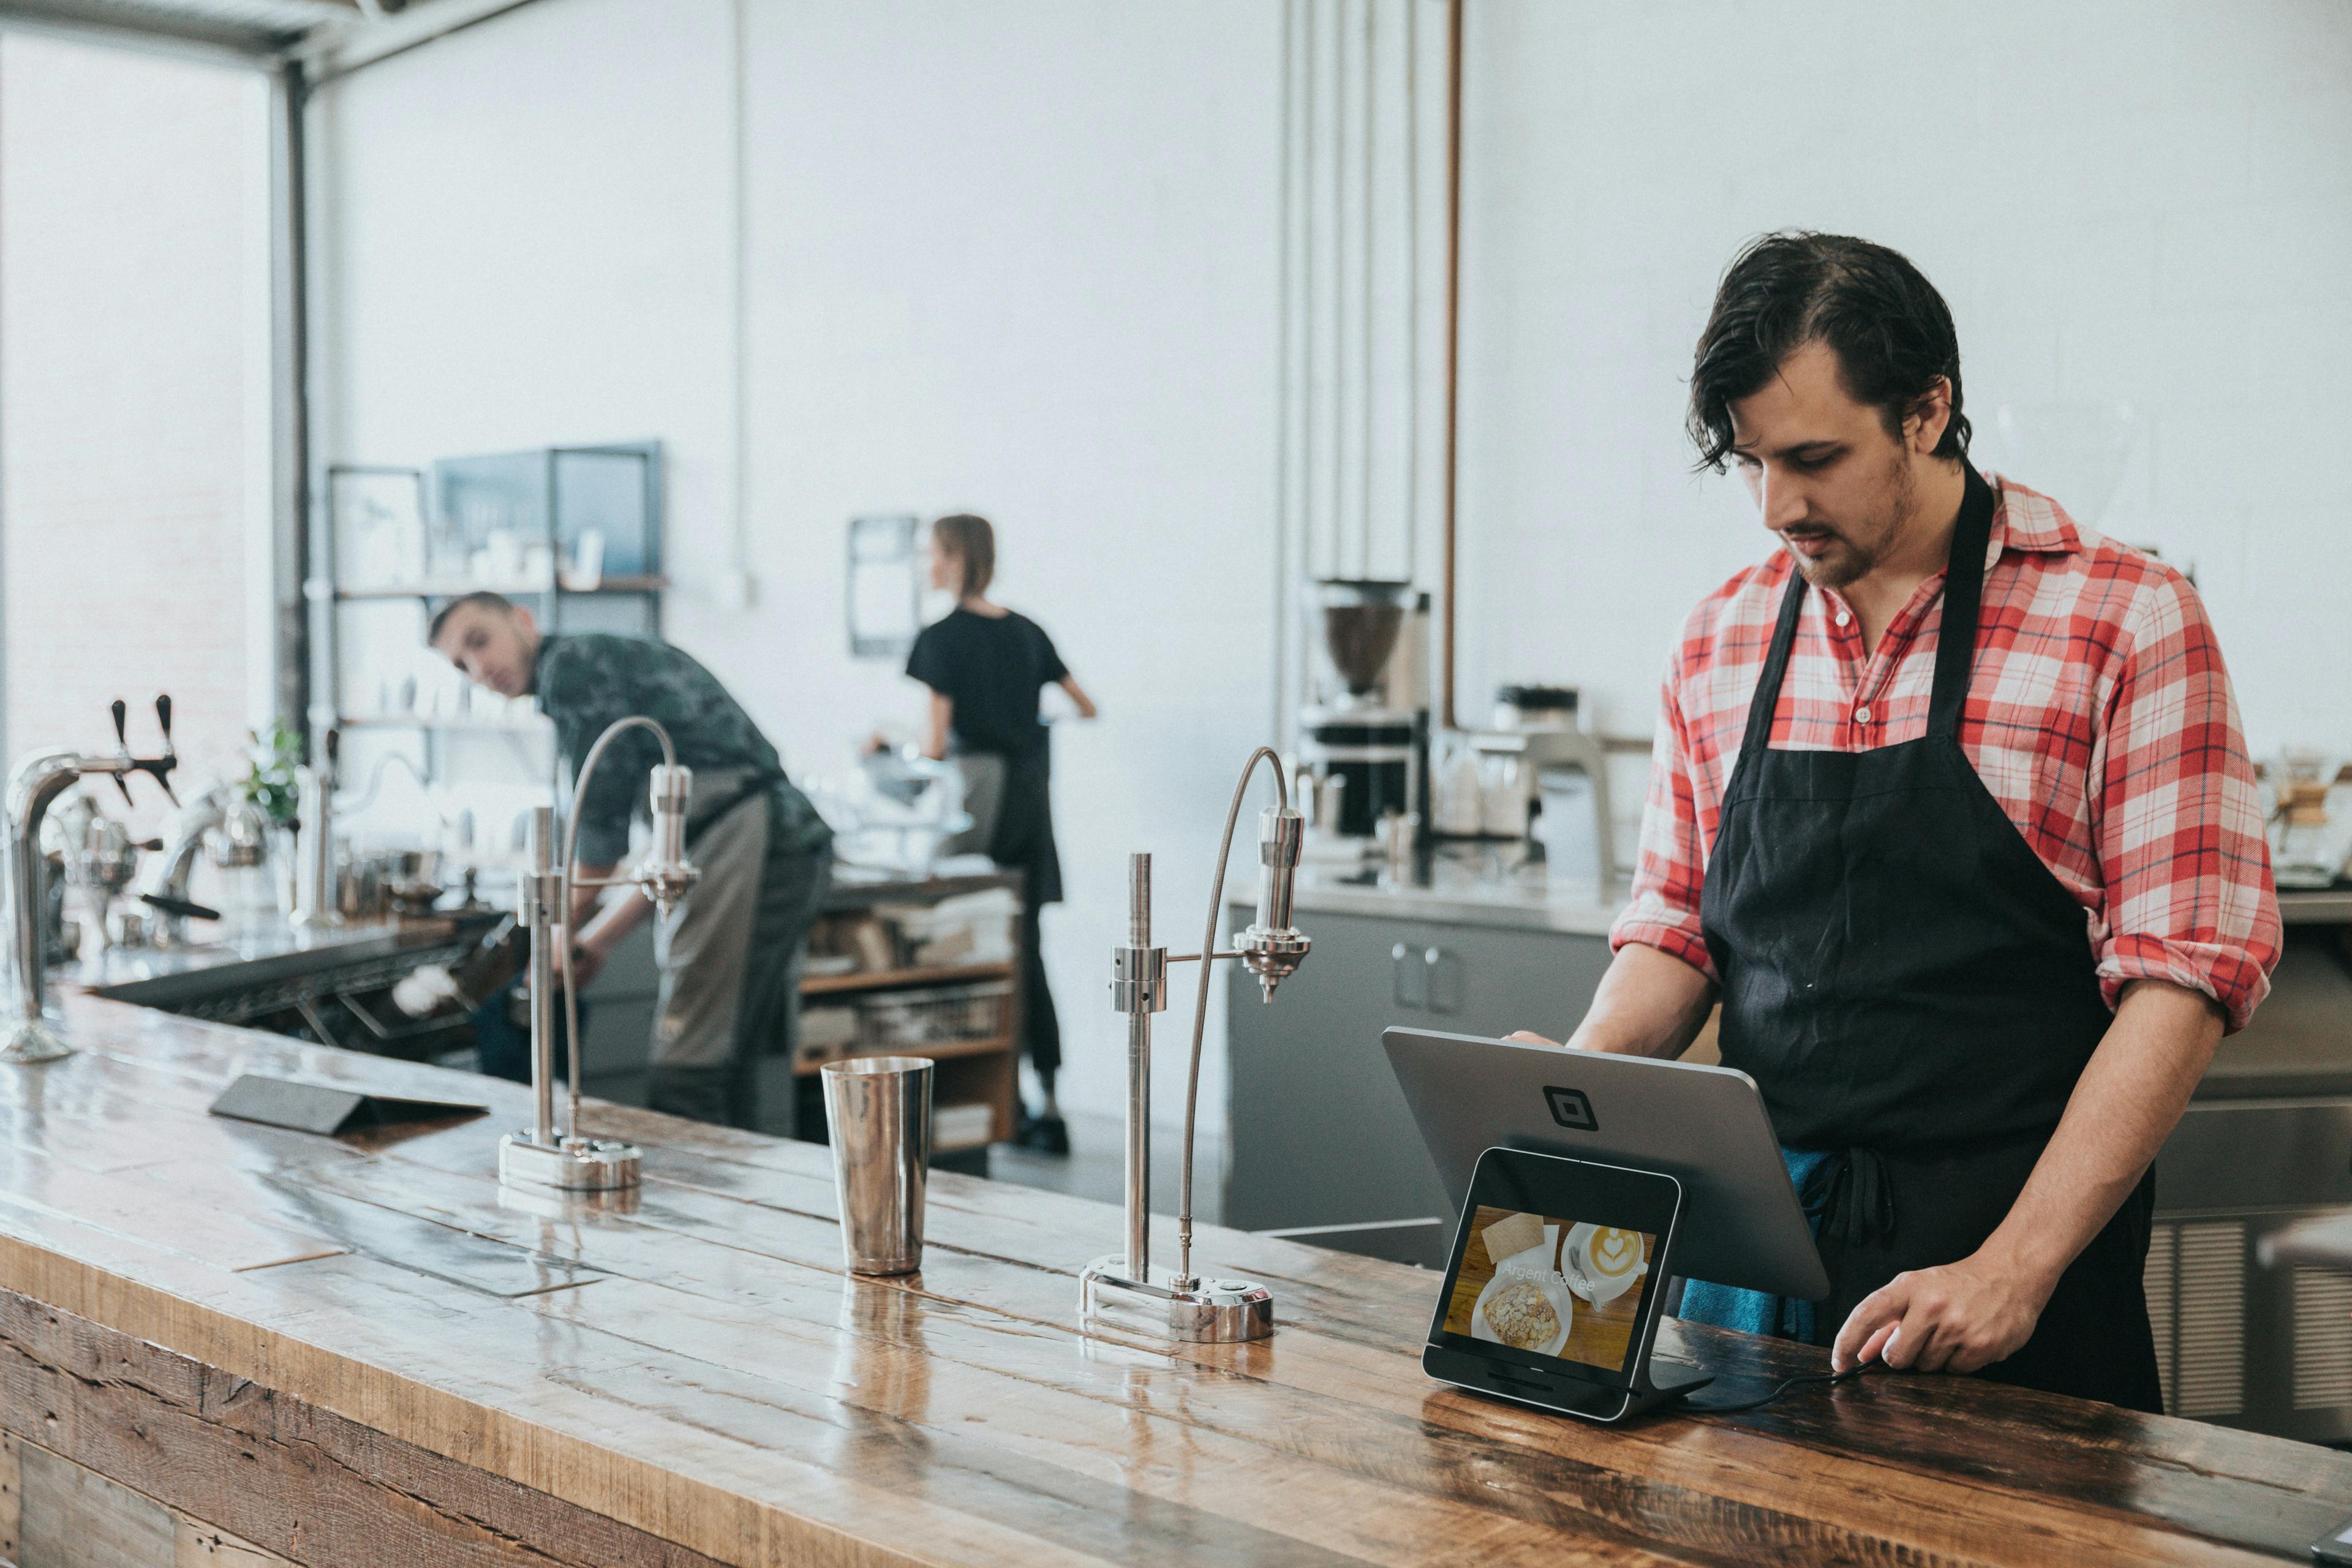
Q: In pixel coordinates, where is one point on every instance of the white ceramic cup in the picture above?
(1605, 1261)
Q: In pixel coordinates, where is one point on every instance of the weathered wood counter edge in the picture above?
(700, 1370)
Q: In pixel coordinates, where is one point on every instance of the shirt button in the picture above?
(1862, 714)
(1844, 619)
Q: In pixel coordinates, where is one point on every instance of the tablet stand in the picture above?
(1653, 1386)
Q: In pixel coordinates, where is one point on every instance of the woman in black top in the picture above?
(985, 665)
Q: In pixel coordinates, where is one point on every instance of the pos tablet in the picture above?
(1555, 1284)
(1705, 1126)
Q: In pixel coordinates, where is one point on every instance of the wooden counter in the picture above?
(346, 1354)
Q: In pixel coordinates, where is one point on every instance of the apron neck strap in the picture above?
(1954, 646)
(1761, 707)
(1963, 591)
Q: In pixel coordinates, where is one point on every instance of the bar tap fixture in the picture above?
(35, 783)
(1123, 1293)
(314, 841)
(544, 1157)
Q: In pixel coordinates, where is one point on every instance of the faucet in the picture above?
(37, 781)
(164, 887)
(314, 841)
(544, 1156)
(1123, 1293)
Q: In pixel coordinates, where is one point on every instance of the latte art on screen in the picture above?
(1613, 1253)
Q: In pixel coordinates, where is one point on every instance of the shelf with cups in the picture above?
(573, 534)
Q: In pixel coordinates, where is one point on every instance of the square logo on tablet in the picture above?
(1571, 1109)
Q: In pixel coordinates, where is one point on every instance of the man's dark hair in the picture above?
(1890, 330)
(482, 597)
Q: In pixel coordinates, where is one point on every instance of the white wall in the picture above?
(2148, 203)
(1014, 260)
(134, 408)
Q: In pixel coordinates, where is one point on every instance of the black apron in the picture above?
(1915, 993)
(1013, 815)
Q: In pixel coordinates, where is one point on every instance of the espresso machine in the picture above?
(1364, 728)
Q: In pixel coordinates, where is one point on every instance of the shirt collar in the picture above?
(2027, 520)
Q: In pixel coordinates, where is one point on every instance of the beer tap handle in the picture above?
(163, 765)
(122, 712)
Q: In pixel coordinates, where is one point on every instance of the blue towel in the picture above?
(1753, 1312)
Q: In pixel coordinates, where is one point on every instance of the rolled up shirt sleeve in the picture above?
(2176, 818)
(1672, 866)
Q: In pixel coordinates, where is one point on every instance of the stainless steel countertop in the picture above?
(260, 944)
(2299, 1044)
(1463, 885)
(1492, 885)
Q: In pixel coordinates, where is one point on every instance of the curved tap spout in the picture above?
(665, 874)
(1271, 948)
(35, 783)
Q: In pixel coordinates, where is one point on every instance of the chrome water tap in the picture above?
(1123, 1293)
(544, 1156)
(37, 781)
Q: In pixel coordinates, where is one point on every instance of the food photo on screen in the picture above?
(1551, 1287)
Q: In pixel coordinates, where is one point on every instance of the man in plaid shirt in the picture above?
(1952, 811)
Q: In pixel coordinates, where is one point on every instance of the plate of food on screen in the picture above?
(1527, 1305)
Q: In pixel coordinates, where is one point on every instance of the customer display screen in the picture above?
(1554, 1263)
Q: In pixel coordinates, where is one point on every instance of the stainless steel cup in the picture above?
(879, 1110)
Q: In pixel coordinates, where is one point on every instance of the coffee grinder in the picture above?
(1364, 726)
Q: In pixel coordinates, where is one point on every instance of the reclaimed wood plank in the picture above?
(76, 1518)
(199, 1545)
(12, 1496)
(285, 1478)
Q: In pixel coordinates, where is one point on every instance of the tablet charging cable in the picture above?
(1848, 1375)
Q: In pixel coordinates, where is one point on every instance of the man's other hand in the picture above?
(1961, 1317)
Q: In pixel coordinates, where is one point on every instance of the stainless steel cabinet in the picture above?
(2237, 1343)
(1320, 1136)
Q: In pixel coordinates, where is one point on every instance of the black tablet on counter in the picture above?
(1555, 1284)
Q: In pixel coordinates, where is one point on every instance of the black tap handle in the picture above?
(123, 784)
(181, 907)
(122, 714)
(163, 718)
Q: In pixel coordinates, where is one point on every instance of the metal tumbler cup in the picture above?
(879, 1110)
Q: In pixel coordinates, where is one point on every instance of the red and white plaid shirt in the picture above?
(2098, 715)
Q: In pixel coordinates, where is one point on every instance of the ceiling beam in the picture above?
(210, 38)
(338, 50)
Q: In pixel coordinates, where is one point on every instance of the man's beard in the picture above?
(1854, 558)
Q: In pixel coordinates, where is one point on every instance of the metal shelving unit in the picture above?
(539, 504)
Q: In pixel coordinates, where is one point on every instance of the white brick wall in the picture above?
(128, 260)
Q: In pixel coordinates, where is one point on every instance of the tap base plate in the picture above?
(31, 1040)
(1200, 1313)
(575, 1165)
